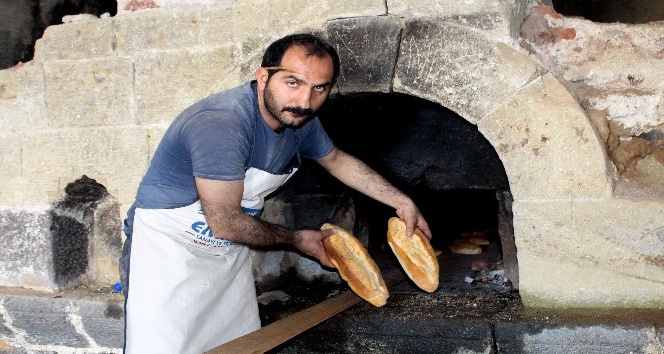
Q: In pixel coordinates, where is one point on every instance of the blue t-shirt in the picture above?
(219, 138)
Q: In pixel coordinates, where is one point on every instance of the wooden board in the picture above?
(276, 333)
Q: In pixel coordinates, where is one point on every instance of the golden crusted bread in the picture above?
(415, 254)
(477, 238)
(355, 265)
(469, 243)
(464, 247)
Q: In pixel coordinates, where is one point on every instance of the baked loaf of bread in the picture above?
(464, 247)
(476, 238)
(355, 266)
(469, 243)
(415, 254)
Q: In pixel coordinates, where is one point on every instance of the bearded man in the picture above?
(189, 284)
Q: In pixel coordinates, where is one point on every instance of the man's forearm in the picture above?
(356, 174)
(233, 225)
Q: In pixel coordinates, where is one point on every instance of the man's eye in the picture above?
(291, 83)
(319, 88)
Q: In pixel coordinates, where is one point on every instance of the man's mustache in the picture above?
(299, 111)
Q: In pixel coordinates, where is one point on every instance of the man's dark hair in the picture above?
(313, 44)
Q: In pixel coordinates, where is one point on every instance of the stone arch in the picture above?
(549, 149)
(548, 146)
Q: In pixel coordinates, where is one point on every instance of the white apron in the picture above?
(188, 290)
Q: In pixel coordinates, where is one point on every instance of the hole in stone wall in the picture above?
(606, 11)
(23, 22)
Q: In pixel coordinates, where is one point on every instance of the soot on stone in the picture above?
(71, 222)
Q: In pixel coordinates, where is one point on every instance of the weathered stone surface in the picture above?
(586, 253)
(167, 84)
(547, 145)
(159, 30)
(85, 39)
(98, 153)
(20, 107)
(44, 324)
(10, 159)
(281, 17)
(609, 66)
(51, 323)
(522, 337)
(106, 244)
(26, 254)
(495, 16)
(367, 49)
(460, 68)
(95, 92)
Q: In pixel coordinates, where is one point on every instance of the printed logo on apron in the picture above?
(257, 185)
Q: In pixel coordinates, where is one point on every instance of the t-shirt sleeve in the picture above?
(218, 145)
(315, 143)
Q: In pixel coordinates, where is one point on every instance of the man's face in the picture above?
(295, 92)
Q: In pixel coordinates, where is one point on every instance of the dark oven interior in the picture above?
(437, 157)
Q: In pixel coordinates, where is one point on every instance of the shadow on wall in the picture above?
(607, 11)
(22, 23)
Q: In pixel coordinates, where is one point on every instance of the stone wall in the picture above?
(100, 92)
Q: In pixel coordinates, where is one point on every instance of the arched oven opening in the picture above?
(445, 164)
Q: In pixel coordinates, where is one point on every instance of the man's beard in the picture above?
(273, 108)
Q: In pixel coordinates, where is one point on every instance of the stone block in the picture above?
(590, 253)
(25, 252)
(155, 134)
(51, 159)
(282, 17)
(157, 30)
(103, 321)
(86, 93)
(133, 6)
(106, 241)
(39, 328)
(10, 159)
(367, 49)
(278, 18)
(502, 18)
(218, 25)
(460, 68)
(520, 337)
(21, 98)
(87, 38)
(547, 145)
(167, 84)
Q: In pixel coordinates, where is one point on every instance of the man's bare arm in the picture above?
(221, 204)
(356, 174)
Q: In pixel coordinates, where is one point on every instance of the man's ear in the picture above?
(261, 78)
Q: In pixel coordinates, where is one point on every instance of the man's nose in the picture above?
(304, 99)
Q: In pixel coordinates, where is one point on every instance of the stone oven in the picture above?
(448, 98)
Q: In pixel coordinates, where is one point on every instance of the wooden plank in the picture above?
(278, 332)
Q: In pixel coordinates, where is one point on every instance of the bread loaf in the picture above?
(355, 265)
(415, 254)
(475, 237)
(464, 247)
